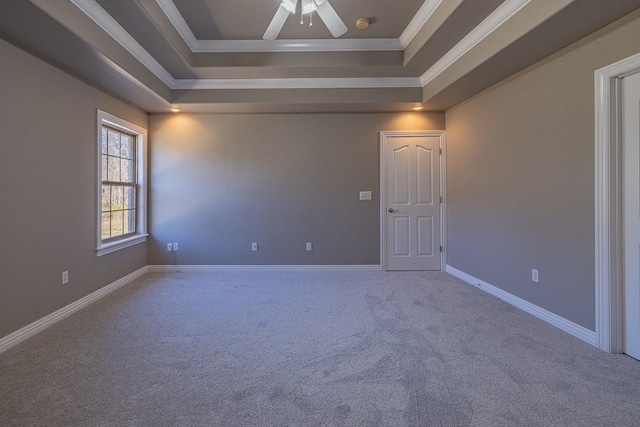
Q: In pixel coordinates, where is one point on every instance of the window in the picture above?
(121, 184)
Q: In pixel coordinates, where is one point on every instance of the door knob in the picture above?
(391, 210)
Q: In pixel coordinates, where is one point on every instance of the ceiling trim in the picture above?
(301, 45)
(300, 83)
(94, 11)
(425, 13)
(177, 20)
(296, 45)
(502, 14)
(105, 21)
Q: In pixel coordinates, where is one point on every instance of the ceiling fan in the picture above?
(322, 7)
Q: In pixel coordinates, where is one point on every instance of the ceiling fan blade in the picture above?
(331, 18)
(277, 23)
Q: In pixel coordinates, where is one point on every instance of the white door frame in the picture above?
(608, 203)
(384, 135)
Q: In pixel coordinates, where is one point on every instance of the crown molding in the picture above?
(119, 34)
(177, 20)
(100, 16)
(300, 83)
(95, 12)
(502, 14)
(296, 45)
(423, 16)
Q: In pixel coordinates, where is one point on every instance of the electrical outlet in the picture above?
(169, 247)
(535, 277)
(175, 247)
(65, 277)
(254, 246)
(309, 246)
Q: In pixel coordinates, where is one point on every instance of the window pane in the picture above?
(104, 140)
(117, 194)
(116, 223)
(104, 168)
(129, 221)
(114, 143)
(106, 198)
(129, 198)
(127, 169)
(113, 168)
(127, 143)
(106, 226)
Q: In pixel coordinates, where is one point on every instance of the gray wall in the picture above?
(220, 182)
(520, 178)
(48, 188)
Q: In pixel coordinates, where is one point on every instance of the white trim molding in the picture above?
(502, 14)
(105, 21)
(300, 83)
(93, 10)
(608, 203)
(559, 322)
(175, 268)
(296, 45)
(39, 325)
(423, 16)
(177, 20)
(140, 236)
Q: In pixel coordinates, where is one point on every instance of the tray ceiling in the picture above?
(208, 55)
(209, 19)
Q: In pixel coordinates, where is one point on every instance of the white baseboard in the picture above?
(172, 268)
(41, 324)
(559, 322)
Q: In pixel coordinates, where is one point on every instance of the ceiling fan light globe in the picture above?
(309, 8)
(289, 5)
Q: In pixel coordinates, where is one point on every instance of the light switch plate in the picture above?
(365, 195)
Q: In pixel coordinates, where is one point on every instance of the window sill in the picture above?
(120, 244)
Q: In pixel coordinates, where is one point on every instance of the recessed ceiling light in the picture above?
(362, 23)
(417, 107)
(175, 109)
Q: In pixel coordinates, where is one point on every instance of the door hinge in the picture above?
(440, 248)
(440, 150)
(440, 199)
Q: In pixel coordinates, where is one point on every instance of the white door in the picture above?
(412, 194)
(631, 224)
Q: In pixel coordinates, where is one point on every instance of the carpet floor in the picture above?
(316, 348)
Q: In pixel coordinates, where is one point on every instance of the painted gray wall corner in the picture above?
(48, 183)
(520, 178)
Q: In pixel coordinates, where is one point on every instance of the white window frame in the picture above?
(140, 133)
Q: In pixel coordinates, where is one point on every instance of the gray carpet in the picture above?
(324, 348)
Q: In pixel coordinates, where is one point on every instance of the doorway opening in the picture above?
(609, 204)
